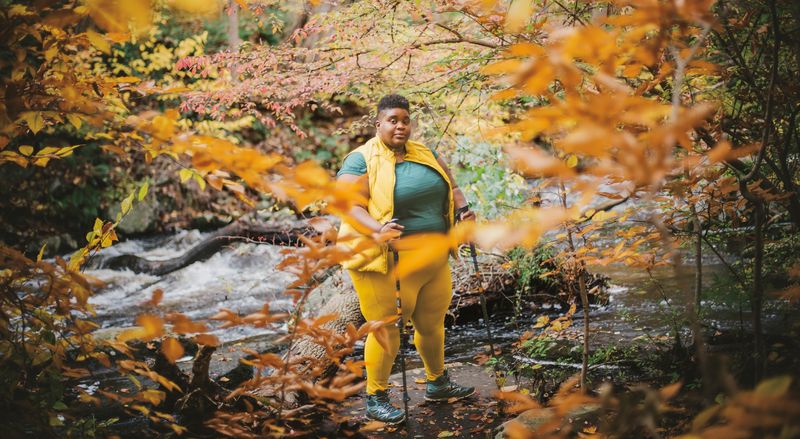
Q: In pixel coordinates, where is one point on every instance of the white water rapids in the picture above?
(242, 277)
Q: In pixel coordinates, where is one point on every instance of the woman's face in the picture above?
(394, 127)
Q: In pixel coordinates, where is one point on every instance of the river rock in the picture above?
(141, 218)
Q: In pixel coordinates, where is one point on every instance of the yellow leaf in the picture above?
(67, 150)
(98, 225)
(119, 37)
(143, 191)
(436, 246)
(171, 349)
(98, 41)
(541, 322)
(185, 174)
(41, 253)
(127, 203)
(26, 150)
(51, 52)
(774, 387)
(208, 8)
(120, 79)
(153, 325)
(518, 15)
(572, 161)
(34, 120)
(121, 16)
(108, 238)
(200, 181)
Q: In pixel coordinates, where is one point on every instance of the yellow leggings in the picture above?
(425, 297)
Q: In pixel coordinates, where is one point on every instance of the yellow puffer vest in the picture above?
(380, 162)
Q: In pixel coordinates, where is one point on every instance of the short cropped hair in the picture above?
(393, 101)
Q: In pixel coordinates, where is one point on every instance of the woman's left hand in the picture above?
(467, 215)
(462, 207)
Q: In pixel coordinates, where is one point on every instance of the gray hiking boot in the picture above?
(442, 389)
(381, 409)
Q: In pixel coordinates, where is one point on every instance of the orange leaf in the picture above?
(206, 339)
(172, 349)
(155, 299)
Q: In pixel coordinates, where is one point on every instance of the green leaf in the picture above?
(59, 405)
(143, 191)
(185, 174)
(774, 387)
(127, 203)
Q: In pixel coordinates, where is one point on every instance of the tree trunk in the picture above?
(233, 27)
(698, 255)
(758, 293)
(585, 306)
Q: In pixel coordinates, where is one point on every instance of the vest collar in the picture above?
(413, 152)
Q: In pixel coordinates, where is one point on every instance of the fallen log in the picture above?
(272, 232)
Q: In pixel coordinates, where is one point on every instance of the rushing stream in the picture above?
(244, 276)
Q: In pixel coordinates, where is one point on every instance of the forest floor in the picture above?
(476, 416)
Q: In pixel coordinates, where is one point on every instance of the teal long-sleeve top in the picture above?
(420, 194)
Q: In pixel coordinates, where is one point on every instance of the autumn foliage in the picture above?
(602, 102)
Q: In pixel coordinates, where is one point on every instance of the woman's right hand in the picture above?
(390, 230)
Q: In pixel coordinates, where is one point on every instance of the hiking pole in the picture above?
(403, 342)
(484, 310)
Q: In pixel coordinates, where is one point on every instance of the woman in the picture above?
(410, 190)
